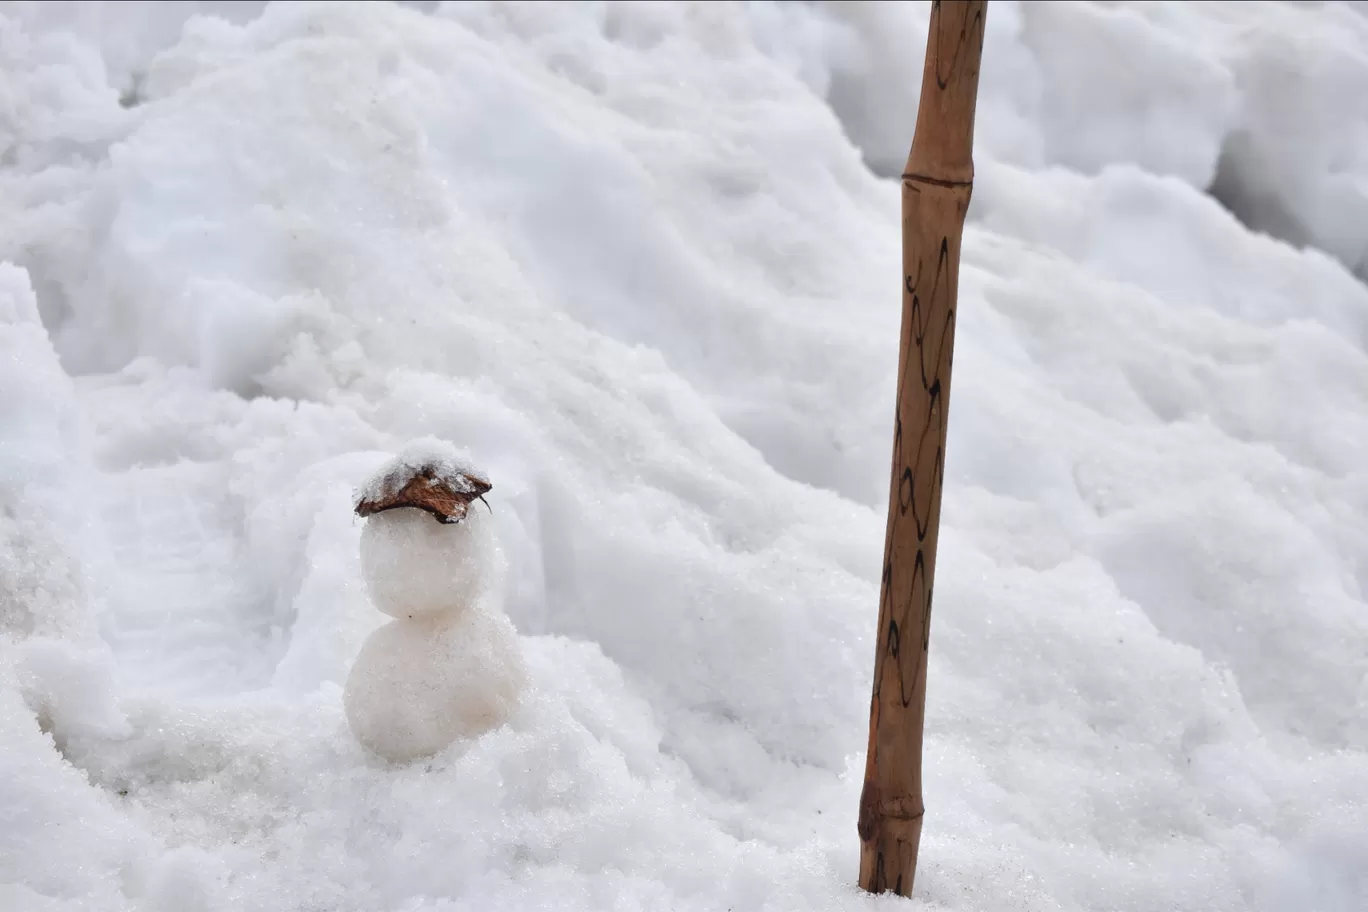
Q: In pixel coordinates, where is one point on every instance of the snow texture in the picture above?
(640, 261)
(418, 686)
(414, 566)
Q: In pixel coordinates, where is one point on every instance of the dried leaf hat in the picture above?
(428, 475)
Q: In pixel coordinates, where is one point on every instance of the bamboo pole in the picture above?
(936, 185)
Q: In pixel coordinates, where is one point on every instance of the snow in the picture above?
(414, 565)
(421, 684)
(1260, 102)
(635, 260)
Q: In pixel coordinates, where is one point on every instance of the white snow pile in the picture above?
(632, 259)
(1266, 104)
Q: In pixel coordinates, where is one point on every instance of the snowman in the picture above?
(448, 667)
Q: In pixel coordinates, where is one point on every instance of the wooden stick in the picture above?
(936, 185)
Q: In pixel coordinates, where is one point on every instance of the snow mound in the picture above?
(1264, 104)
(632, 257)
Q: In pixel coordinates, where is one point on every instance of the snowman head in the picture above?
(426, 550)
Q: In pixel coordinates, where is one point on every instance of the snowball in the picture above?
(418, 686)
(415, 566)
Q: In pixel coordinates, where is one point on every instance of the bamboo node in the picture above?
(936, 181)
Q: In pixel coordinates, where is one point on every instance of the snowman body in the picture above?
(448, 667)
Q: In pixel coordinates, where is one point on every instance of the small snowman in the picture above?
(448, 666)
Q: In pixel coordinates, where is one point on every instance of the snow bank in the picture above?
(1265, 104)
(631, 260)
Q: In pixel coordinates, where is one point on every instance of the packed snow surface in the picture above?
(640, 260)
